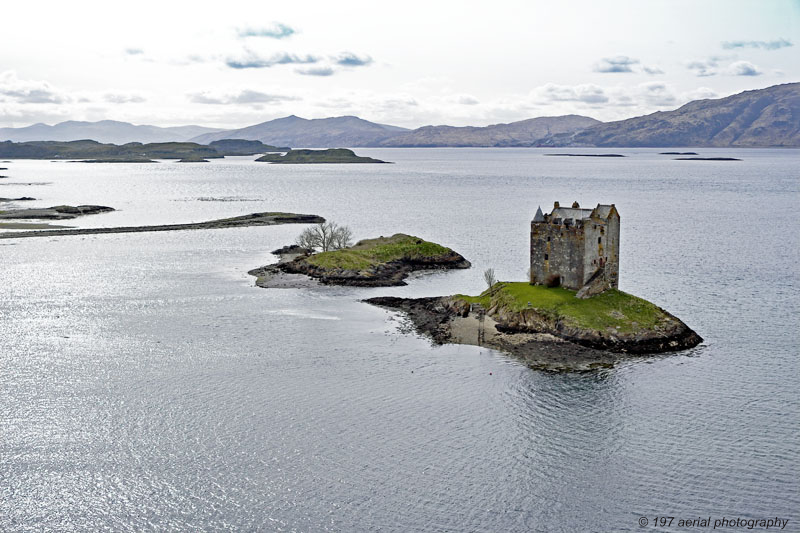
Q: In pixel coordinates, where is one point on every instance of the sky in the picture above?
(411, 63)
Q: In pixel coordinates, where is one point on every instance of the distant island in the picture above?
(585, 155)
(94, 152)
(379, 262)
(253, 219)
(59, 212)
(303, 157)
(707, 159)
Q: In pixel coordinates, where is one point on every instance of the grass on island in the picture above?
(372, 252)
(611, 309)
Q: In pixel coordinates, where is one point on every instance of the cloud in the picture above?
(657, 94)
(589, 94)
(703, 68)
(134, 51)
(349, 59)
(652, 70)
(764, 45)
(29, 91)
(275, 31)
(316, 71)
(253, 60)
(616, 64)
(246, 96)
(743, 68)
(466, 99)
(124, 98)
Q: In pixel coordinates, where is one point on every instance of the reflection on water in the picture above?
(146, 384)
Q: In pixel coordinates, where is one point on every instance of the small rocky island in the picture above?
(518, 317)
(380, 262)
(331, 155)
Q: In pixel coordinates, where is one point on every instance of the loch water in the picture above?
(147, 384)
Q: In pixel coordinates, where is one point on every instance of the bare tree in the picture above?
(326, 236)
(488, 276)
(341, 237)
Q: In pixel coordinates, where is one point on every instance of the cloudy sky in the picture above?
(410, 63)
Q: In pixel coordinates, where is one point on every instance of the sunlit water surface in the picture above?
(145, 383)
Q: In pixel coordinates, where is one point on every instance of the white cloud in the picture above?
(616, 64)
(588, 93)
(122, 98)
(14, 89)
(742, 68)
(246, 96)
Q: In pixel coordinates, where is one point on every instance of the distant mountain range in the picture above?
(523, 133)
(765, 117)
(316, 133)
(104, 131)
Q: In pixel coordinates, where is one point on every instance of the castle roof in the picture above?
(603, 211)
(538, 217)
(571, 212)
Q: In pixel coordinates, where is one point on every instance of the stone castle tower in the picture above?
(576, 248)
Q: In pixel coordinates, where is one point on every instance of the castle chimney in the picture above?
(555, 205)
(575, 205)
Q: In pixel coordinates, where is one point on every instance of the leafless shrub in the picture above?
(488, 277)
(325, 237)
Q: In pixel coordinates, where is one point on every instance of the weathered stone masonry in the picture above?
(573, 246)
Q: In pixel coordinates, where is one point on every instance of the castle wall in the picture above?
(612, 267)
(561, 254)
(602, 247)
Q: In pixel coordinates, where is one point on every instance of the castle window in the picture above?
(545, 257)
(599, 240)
(548, 238)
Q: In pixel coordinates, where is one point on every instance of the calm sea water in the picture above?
(146, 384)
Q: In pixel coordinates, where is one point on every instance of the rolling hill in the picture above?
(760, 118)
(315, 133)
(104, 131)
(522, 133)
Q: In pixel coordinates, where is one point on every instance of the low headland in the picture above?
(584, 155)
(707, 159)
(380, 262)
(539, 323)
(58, 212)
(88, 151)
(254, 219)
(331, 155)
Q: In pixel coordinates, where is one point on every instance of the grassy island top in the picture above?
(611, 309)
(331, 155)
(372, 252)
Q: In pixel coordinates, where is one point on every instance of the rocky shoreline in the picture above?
(451, 319)
(254, 219)
(294, 270)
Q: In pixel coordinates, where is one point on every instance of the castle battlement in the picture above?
(572, 246)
